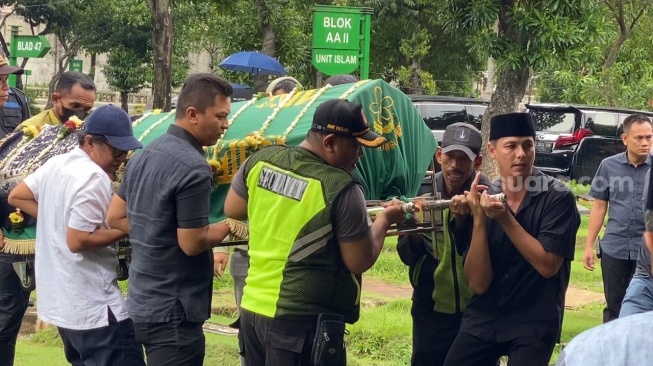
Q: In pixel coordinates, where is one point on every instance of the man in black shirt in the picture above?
(519, 258)
(163, 203)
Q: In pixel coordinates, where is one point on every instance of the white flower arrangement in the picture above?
(11, 154)
(247, 105)
(304, 110)
(352, 88)
(272, 116)
(155, 125)
(143, 118)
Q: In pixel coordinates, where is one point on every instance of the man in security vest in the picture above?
(310, 237)
(13, 300)
(14, 111)
(440, 291)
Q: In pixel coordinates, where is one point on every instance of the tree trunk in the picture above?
(510, 89)
(19, 78)
(614, 50)
(319, 79)
(269, 42)
(415, 78)
(162, 41)
(124, 101)
(488, 85)
(91, 72)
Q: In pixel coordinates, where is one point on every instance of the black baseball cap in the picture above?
(114, 124)
(341, 117)
(6, 69)
(464, 137)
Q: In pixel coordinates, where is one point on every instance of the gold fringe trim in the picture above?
(22, 246)
(237, 229)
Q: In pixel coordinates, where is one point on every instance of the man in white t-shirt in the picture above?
(75, 267)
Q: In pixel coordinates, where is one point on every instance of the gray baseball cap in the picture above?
(464, 137)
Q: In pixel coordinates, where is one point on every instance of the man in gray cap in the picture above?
(519, 257)
(75, 268)
(440, 291)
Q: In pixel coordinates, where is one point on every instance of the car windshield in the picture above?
(439, 116)
(553, 121)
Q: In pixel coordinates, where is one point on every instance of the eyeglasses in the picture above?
(116, 153)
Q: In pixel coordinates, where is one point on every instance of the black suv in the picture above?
(440, 111)
(572, 140)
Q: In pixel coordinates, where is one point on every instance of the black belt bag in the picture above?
(329, 342)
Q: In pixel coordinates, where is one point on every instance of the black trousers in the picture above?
(13, 304)
(469, 350)
(616, 274)
(113, 345)
(433, 335)
(173, 343)
(274, 342)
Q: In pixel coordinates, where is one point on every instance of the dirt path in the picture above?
(575, 297)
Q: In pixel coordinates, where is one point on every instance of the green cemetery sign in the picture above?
(336, 39)
(75, 65)
(337, 29)
(31, 46)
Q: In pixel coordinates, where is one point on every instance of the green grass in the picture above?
(388, 267)
(42, 348)
(576, 188)
(382, 336)
(580, 277)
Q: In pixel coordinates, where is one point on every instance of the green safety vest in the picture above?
(295, 267)
(451, 293)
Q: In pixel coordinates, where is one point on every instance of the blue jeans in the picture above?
(13, 303)
(639, 296)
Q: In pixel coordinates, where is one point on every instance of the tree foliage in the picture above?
(238, 28)
(72, 22)
(521, 36)
(126, 72)
(409, 39)
(627, 82)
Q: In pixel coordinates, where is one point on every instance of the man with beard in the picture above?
(440, 291)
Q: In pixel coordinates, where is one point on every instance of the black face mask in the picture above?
(67, 113)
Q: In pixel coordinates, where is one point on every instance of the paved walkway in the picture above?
(575, 297)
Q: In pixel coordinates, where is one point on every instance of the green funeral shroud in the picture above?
(395, 169)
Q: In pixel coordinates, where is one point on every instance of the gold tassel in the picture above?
(21, 247)
(237, 229)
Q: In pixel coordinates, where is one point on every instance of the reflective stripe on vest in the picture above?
(272, 189)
